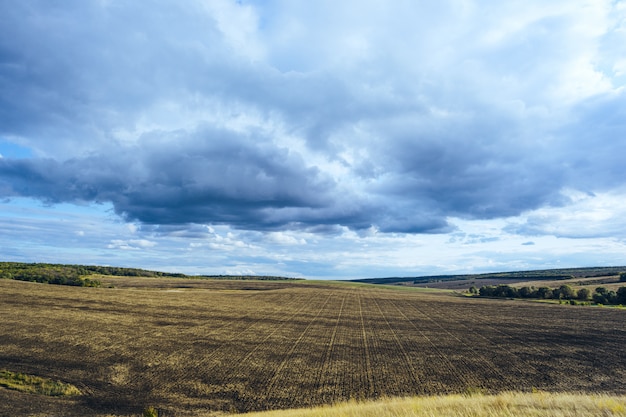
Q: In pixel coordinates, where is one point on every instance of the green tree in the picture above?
(612, 297)
(583, 294)
(526, 292)
(487, 291)
(599, 298)
(544, 292)
(602, 291)
(566, 292)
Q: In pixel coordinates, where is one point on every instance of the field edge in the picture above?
(519, 404)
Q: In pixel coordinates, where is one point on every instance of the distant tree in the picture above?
(602, 291)
(583, 294)
(566, 292)
(526, 292)
(612, 297)
(622, 276)
(601, 295)
(511, 292)
(621, 295)
(505, 291)
(487, 291)
(599, 298)
(473, 290)
(544, 292)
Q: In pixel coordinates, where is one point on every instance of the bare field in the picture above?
(608, 282)
(465, 284)
(611, 282)
(196, 346)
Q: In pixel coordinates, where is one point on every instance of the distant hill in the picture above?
(70, 274)
(79, 275)
(247, 277)
(538, 275)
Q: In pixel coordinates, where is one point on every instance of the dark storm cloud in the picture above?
(211, 176)
(73, 73)
(242, 186)
(209, 112)
(593, 143)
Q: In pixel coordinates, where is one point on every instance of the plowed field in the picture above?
(191, 346)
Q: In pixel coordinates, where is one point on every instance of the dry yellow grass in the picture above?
(503, 405)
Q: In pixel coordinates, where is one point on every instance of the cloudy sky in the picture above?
(314, 138)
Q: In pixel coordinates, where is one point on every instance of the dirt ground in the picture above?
(191, 347)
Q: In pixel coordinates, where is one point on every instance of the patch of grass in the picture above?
(35, 385)
(506, 404)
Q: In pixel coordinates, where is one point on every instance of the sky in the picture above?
(314, 139)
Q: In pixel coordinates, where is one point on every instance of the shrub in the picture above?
(150, 412)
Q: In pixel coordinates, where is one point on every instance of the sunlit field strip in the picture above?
(508, 404)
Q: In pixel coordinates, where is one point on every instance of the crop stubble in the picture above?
(189, 346)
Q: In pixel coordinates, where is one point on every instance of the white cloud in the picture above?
(239, 26)
(133, 244)
(285, 238)
(588, 216)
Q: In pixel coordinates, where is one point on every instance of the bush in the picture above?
(150, 412)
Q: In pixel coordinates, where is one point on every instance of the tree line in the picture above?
(48, 274)
(73, 275)
(600, 295)
(79, 275)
